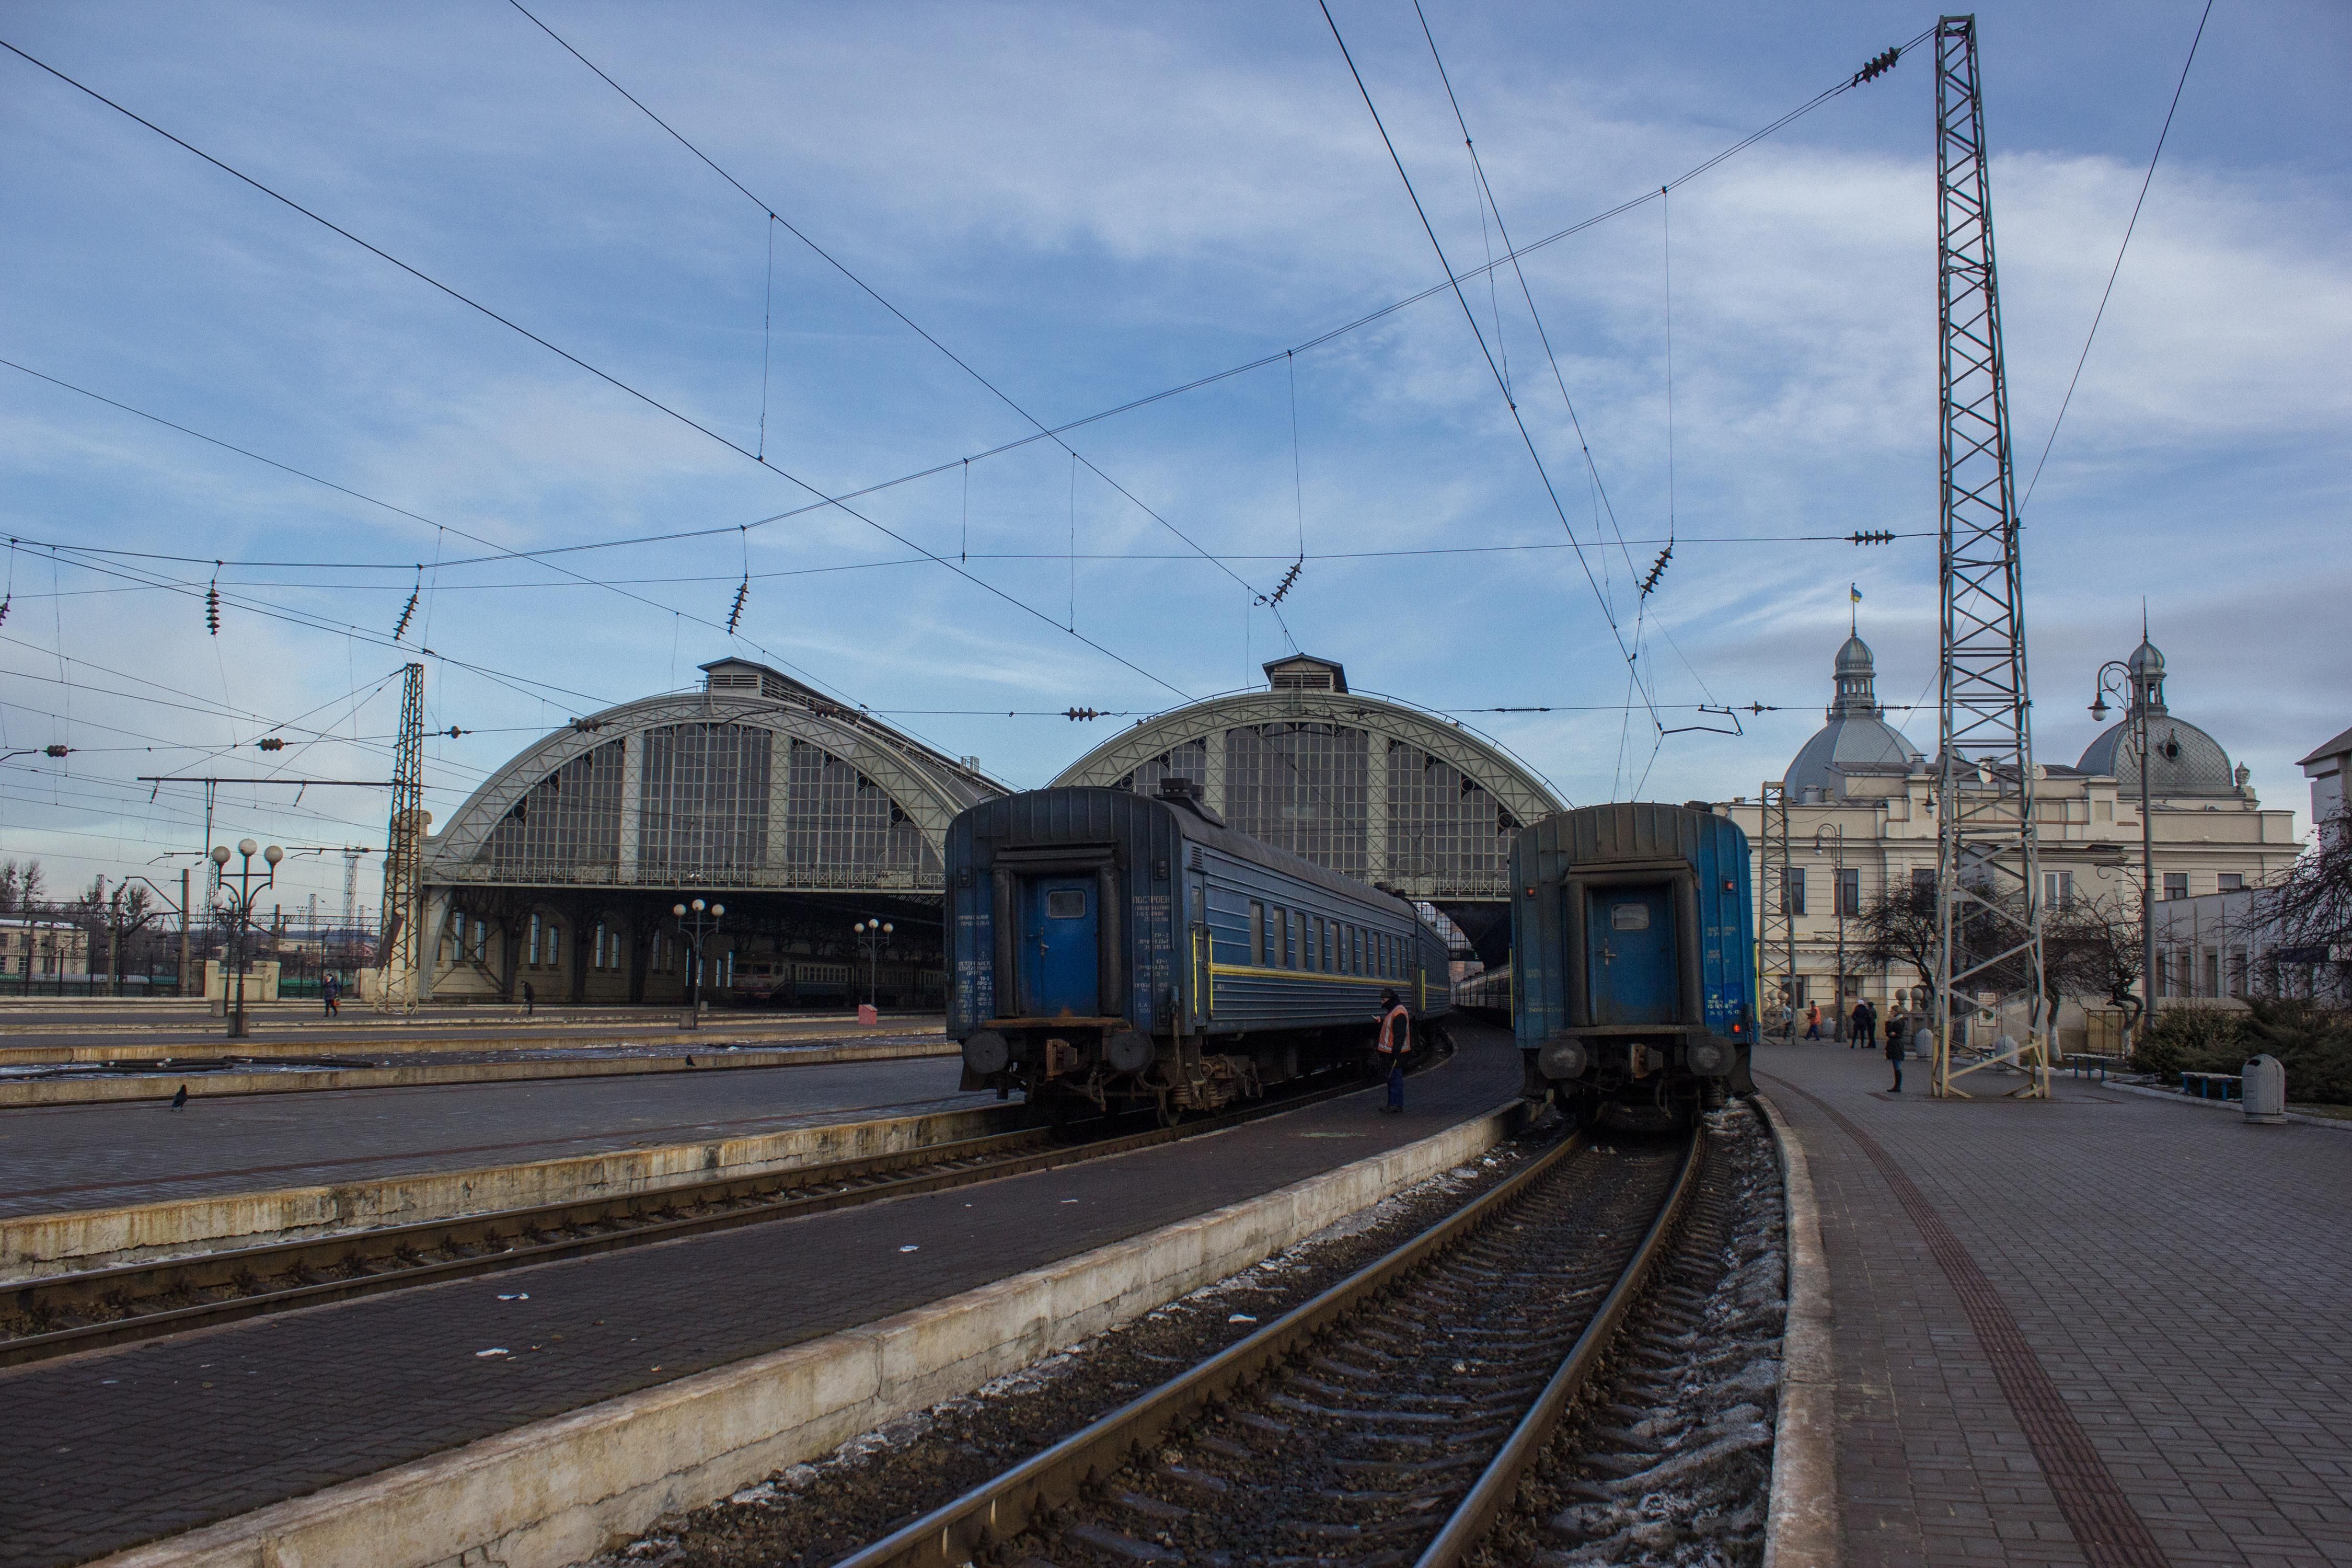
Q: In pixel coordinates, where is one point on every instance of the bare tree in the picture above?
(21, 887)
(2307, 910)
(1897, 930)
(2091, 947)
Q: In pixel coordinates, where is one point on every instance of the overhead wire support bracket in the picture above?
(1727, 710)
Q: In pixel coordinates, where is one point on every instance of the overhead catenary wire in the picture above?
(2100, 314)
(1471, 316)
(1512, 254)
(607, 377)
(872, 293)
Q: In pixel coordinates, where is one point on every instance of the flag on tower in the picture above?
(1853, 593)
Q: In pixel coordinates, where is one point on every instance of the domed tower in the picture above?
(2185, 760)
(1857, 738)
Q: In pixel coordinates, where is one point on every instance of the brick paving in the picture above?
(2180, 1283)
(102, 1451)
(98, 1156)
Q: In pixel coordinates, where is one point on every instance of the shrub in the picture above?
(2191, 1039)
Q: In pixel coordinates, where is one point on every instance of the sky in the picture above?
(549, 325)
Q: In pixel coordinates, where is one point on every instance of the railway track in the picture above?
(1387, 1420)
(88, 1309)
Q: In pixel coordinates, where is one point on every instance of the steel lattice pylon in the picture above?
(1987, 889)
(1776, 920)
(404, 950)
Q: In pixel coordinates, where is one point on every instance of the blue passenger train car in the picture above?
(1633, 936)
(1116, 951)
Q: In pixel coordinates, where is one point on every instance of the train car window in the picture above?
(1066, 904)
(1281, 939)
(1314, 940)
(1327, 946)
(1257, 933)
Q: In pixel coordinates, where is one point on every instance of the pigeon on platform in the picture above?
(180, 1100)
(689, 1061)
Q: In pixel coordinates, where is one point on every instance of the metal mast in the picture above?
(1988, 886)
(404, 856)
(1776, 917)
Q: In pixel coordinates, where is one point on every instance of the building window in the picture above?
(1923, 882)
(2057, 890)
(2212, 972)
(2238, 973)
(532, 950)
(2234, 881)
(1792, 890)
(2163, 975)
(1849, 890)
(2176, 885)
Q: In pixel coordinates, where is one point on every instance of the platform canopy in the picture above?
(755, 782)
(1368, 786)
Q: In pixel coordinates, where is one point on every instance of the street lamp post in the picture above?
(876, 932)
(240, 912)
(2118, 677)
(696, 921)
(1837, 906)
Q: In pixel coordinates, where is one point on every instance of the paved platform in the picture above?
(2100, 1329)
(99, 1451)
(55, 1158)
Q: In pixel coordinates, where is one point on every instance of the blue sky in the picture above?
(1088, 205)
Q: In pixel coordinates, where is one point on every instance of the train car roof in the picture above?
(1195, 825)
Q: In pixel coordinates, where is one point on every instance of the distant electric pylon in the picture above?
(1987, 886)
(400, 963)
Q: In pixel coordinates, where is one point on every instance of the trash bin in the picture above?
(2264, 1089)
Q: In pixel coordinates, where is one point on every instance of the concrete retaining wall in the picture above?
(34, 1244)
(286, 1080)
(559, 1490)
(1801, 1526)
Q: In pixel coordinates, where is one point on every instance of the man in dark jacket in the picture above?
(1395, 1044)
(1865, 1023)
(1895, 1034)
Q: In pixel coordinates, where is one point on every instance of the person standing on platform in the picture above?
(1895, 1051)
(330, 991)
(1813, 1022)
(1864, 1024)
(528, 999)
(1395, 1044)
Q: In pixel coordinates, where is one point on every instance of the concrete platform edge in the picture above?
(157, 1087)
(557, 1492)
(36, 1244)
(1802, 1527)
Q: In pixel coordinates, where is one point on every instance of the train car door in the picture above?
(1630, 932)
(1058, 953)
(1196, 902)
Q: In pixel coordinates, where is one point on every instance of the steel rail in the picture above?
(998, 1509)
(771, 1195)
(1476, 1514)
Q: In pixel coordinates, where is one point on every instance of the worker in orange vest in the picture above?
(1395, 1045)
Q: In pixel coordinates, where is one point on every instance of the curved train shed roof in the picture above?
(1365, 785)
(757, 781)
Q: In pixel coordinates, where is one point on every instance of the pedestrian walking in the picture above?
(1895, 1052)
(528, 1000)
(331, 992)
(1395, 1045)
(1814, 1021)
(1865, 1023)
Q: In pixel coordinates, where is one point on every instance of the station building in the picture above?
(801, 815)
(1862, 823)
(1366, 785)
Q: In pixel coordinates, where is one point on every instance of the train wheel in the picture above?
(1170, 1112)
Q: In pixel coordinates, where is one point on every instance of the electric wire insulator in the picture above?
(1075, 714)
(271, 744)
(4, 603)
(1878, 66)
(735, 616)
(1657, 569)
(212, 609)
(407, 611)
(1872, 536)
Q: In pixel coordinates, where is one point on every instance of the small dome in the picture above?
(2147, 659)
(2187, 760)
(1857, 738)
